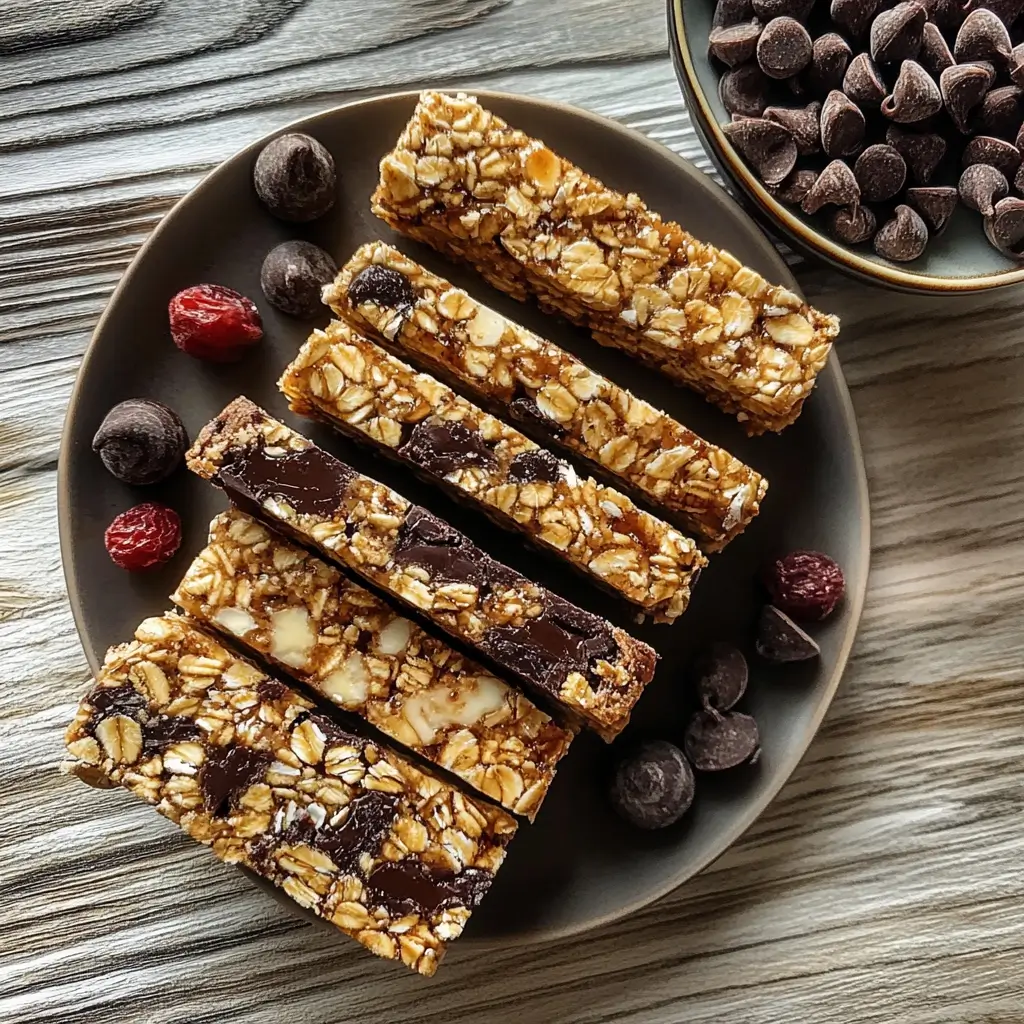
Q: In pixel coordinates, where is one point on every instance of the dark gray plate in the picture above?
(579, 866)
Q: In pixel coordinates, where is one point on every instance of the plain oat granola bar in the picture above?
(536, 638)
(532, 223)
(393, 857)
(344, 378)
(549, 392)
(344, 642)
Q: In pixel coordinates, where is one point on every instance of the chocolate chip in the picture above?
(922, 152)
(768, 9)
(915, 96)
(998, 153)
(653, 785)
(793, 190)
(804, 125)
(935, 54)
(1018, 179)
(982, 36)
(903, 238)
(735, 44)
(852, 225)
(981, 187)
(946, 14)
(720, 675)
(535, 464)
(830, 56)
(295, 177)
(881, 173)
(731, 12)
(863, 83)
(141, 441)
(1005, 227)
(1001, 112)
(854, 16)
(780, 639)
(715, 742)
(896, 34)
(383, 286)
(784, 48)
(1017, 65)
(963, 87)
(835, 186)
(842, 125)
(1007, 11)
(744, 90)
(293, 275)
(935, 204)
(767, 146)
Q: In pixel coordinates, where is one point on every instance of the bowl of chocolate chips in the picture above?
(885, 138)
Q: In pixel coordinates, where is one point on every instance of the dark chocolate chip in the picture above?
(535, 464)
(963, 87)
(1017, 65)
(227, 773)
(998, 153)
(163, 730)
(1018, 179)
(1005, 227)
(744, 90)
(922, 152)
(441, 447)
(946, 14)
(842, 125)
(804, 125)
(141, 441)
(915, 96)
(715, 742)
(982, 36)
(731, 12)
(735, 44)
(780, 639)
(108, 701)
(382, 286)
(935, 54)
(935, 204)
(852, 225)
(653, 785)
(525, 411)
(903, 238)
(295, 177)
(784, 48)
(720, 675)
(981, 187)
(881, 173)
(293, 275)
(410, 887)
(768, 9)
(830, 56)
(793, 190)
(1001, 112)
(766, 145)
(896, 34)
(853, 16)
(835, 186)
(1007, 11)
(863, 83)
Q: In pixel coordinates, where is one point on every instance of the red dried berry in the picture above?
(805, 584)
(144, 536)
(215, 323)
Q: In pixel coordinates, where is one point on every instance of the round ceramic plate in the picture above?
(578, 866)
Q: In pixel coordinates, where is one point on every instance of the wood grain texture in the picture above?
(886, 882)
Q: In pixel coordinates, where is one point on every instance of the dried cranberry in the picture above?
(805, 584)
(212, 322)
(143, 537)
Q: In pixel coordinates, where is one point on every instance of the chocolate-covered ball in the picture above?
(141, 441)
(293, 275)
(295, 178)
(653, 785)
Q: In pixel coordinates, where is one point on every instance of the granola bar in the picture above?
(548, 392)
(463, 181)
(344, 378)
(537, 639)
(393, 857)
(348, 645)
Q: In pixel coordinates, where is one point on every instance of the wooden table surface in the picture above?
(886, 883)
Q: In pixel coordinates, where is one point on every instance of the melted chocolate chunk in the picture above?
(227, 773)
(536, 464)
(117, 700)
(382, 286)
(310, 480)
(442, 447)
(523, 409)
(160, 732)
(408, 887)
(270, 690)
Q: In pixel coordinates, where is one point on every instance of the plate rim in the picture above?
(855, 601)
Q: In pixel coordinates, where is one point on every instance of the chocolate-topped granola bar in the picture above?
(532, 223)
(535, 638)
(347, 644)
(344, 378)
(393, 857)
(548, 392)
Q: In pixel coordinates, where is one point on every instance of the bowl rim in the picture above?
(808, 236)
